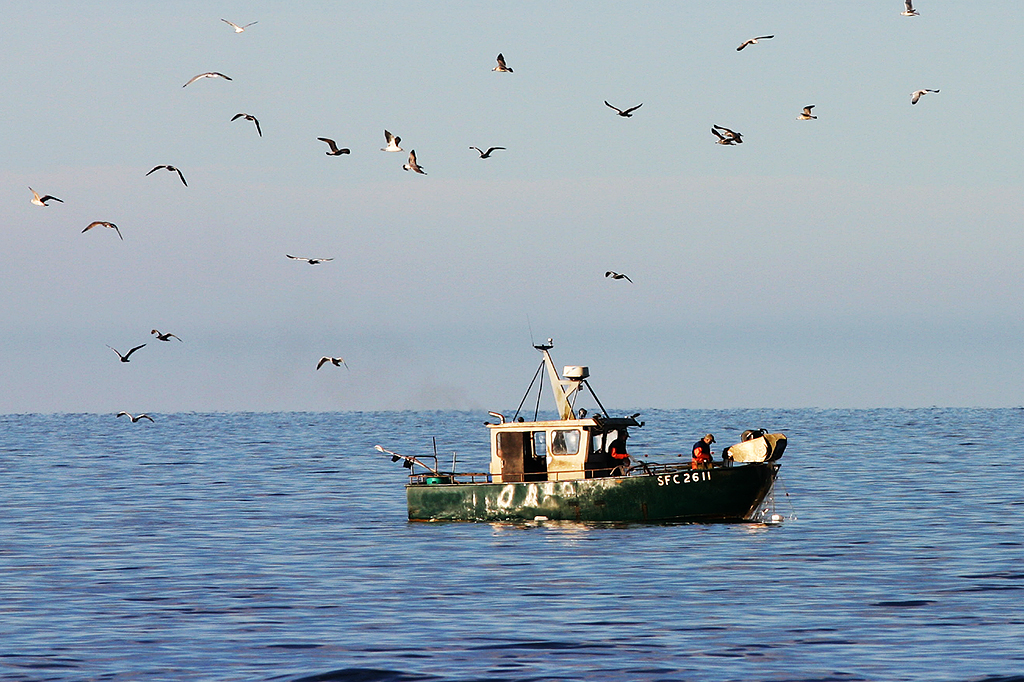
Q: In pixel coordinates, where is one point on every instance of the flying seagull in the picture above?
(412, 165)
(752, 41)
(249, 117)
(103, 223)
(239, 29)
(163, 337)
(173, 170)
(392, 141)
(486, 154)
(722, 139)
(311, 261)
(501, 65)
(618, 275)
(208, 74)
(909, 11)
(916, 95)
(41, 200)
(337, 362)
(806, 115)
(724, 133)
(627, 113)
(124, 358)
(122, 413)
(334, 147)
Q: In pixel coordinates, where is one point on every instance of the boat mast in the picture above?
(563, 389)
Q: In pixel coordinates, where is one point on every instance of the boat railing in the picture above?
(456, 478)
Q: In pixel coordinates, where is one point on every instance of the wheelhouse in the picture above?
(558, 450)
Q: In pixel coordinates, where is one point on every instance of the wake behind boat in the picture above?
(576, 468)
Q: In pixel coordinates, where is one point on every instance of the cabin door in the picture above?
(522, 458)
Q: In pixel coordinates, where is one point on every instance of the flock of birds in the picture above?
(723, 136)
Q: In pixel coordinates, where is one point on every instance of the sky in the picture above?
(868, 258)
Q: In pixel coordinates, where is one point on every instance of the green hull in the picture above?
(721, 494)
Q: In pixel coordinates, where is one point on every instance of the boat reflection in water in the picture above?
(575, 468)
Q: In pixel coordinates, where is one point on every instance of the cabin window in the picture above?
(565, 442)
(540, 448)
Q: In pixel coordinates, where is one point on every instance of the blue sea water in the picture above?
(276, 547)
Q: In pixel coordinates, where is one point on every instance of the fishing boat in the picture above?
(577, 468)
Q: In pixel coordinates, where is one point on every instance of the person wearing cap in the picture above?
(702, 453)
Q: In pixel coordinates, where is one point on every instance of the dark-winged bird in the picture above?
(122, 413)
(625, 113)
(334, 147)
(173, 170)
(486, 154)
(163, 337)
(124, 358)
(249, 117)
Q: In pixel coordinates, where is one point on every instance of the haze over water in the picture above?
(275, 546)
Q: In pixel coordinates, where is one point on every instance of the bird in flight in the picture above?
(726, 136)
(208, 74)
(334, 147)
(122, 413)
(618, 275)
(806, 115)
(311, 261)
(752, 41)
(722, 139)
(917, 94)
(501, 68)
(627, 113)
(486, 154)
(163, 337)
(41, 200)
(239, 29)
(173, 170)
(337, 362)
(393, 141)
(909, 11)
(124, 358)
(412, 165)
(103, 223)
(249, 117)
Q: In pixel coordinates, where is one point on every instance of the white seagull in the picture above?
(208, 74)
(311, 261)
(173, 170)
(917, 94)
(249, 117)
(393, 141)
(239, 29)
(337, 362)
(122, 413)
(752, 41)
(486, 154)
(102, 223)
(41, 200)
(625, 113)
(806, 115)
(909, 11)
(334, 147)
(501, 68)
(618, 275)
(412, 165)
